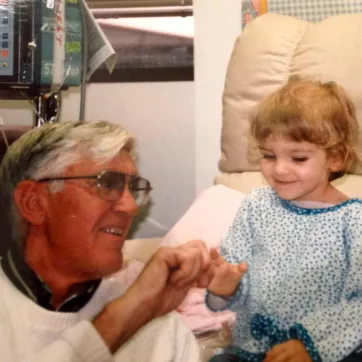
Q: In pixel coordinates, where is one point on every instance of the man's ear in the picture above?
(29, 202)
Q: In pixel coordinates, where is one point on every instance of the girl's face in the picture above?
(297, 171)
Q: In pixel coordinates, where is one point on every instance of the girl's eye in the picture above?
(300, 159)
(268, 157)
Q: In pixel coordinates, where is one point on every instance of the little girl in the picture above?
(299, 239)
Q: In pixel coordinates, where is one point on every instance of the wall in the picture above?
(217, 24)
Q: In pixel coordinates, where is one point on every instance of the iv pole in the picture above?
(48, 106)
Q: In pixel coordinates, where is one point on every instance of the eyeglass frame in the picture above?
(128, 180)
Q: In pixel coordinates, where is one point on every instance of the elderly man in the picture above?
(69, 192)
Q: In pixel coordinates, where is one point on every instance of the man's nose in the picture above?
(126, 203)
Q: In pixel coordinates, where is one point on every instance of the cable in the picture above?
(85, 66)
(3, 133)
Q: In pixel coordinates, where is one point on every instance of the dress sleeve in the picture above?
(236, 248)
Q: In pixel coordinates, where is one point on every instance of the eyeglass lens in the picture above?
(112, 185)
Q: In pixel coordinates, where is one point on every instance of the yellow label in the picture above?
(263, 6)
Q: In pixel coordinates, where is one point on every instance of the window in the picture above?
(152, 44)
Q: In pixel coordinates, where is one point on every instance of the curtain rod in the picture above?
(143, 12)
(109, 4)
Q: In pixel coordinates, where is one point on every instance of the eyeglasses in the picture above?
(111, 185)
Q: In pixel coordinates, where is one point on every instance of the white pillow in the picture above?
(208, 218)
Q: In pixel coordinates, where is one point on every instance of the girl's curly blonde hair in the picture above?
(310, 111)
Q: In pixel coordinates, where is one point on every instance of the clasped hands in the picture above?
(171, 272)
(193, 265)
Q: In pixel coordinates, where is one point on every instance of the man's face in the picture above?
(86, 233)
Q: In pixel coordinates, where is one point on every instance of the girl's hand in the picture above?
(291, 351)
(226, 277)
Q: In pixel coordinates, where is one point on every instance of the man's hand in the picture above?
(161, 287)
(170, 274)
(291, 351)
(226, 276)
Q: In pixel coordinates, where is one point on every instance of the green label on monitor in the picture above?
(61, 43)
